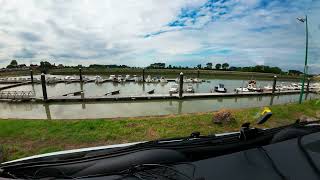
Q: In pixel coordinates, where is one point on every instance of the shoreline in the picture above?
(20, 138)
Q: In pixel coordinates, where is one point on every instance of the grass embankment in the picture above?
(169, 73)
(22, 138)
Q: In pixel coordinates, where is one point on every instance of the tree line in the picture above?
(45, 66)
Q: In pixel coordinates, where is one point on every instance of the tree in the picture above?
(225, 66)
(295, 72)
(209, 65)
(13, 64)
(169, 67)
(199, 66)
(218, 66)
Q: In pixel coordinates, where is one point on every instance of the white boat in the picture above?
(220, 88)
(174, 89)
(279, 88)
(254, 88)
(156, 79)
(52, 79)
(268, 88)
(296, 86)
(196, 80)
(113, 77)
(98, 80)
(149, 79)
(127, 77)
(190, 89)
(121, 79)
(241, 89)
(163, 80)
(137, 78)
(188, 80)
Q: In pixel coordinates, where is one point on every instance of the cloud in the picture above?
(180, 32)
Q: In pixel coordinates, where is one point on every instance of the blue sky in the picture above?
(177, 32)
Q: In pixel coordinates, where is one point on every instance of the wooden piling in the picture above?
(44, 88)
(180, 85)
(80, 74)
(31, 76)
(308, 84)
(143, 79)
(274, 84)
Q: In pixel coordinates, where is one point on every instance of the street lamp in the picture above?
(304, 20)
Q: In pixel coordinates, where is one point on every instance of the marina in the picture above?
(118, 87)
(116, 109)
(67, 97)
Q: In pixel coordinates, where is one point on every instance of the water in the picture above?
(131, 88)
(138, 108)
(131, 108)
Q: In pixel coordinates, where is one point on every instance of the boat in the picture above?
(190, 89)
(98, 80)
(267, 88)
(252, 86)
(149, 79)
(188, 80)
(197, 80)
(241, 89)
(151, 92)
(52, 79)
(220, 88)
(70, 79)
(113, 92)
(163, 80)
(85, 79)
(155, 79)
(113, 78)
(296, 86)
(137, 79)
(121, 79)
(174, 88)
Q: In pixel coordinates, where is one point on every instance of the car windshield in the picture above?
(84, 74)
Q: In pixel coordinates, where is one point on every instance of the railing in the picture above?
(16, 94)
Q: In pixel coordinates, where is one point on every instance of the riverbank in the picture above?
(168, 73)
(21, 138)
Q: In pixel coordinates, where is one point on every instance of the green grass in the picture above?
(169, 73)
(21, 138)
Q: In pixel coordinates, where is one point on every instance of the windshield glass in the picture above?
(80, 74)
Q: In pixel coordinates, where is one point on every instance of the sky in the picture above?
(177, 32)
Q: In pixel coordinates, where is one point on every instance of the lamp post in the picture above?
(304, 20)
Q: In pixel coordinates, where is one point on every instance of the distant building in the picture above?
(60, 66)
(34, 66)
(157, 66)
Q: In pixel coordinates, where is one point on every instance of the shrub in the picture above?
(222, 116)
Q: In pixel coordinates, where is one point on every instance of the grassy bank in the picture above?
(169, 73)
(22, 138)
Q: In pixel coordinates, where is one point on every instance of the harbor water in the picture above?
(137, 108)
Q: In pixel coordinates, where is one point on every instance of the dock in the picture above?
(119, 97)
(14, 85)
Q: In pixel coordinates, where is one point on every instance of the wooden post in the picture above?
(44, 88)
(198, 74)
(31, 76)
(80, 74)
(274, 84)
(181, 85)
(143, 75)
(308, 84)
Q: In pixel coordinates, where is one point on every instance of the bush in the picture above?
(222, 116)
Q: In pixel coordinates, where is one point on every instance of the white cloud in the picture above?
(110, 31)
